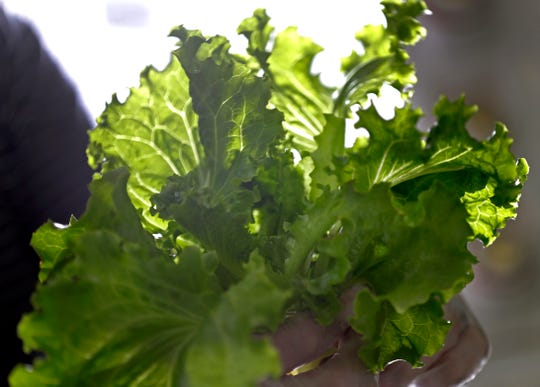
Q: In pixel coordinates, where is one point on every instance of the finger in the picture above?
(301, 340)
(344, 369)
(398, 374)
(347, 299)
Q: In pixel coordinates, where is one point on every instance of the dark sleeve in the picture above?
(43, 168)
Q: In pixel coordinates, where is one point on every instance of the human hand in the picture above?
(302, 340)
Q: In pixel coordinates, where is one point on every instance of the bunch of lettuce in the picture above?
(225, 200)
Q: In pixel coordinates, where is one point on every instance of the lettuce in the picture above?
(225, 200)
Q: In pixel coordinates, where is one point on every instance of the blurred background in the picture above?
(487, 49)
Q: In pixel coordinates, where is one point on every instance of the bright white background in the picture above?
(104, 44)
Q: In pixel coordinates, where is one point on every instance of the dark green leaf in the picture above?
(226, 354)
(120, 312)
(389, 335)
(384, 60)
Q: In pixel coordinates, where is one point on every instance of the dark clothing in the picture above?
(43, 169)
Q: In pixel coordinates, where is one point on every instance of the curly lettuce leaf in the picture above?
(296, 91)
(447, 189)
(120, 312)
(385, 243)
(258, 31)
(225, 353)
(153, 133)
(384, 59)
(51, 240)
(229, 100)
(398, 153)
(389, 334)
(236, 131)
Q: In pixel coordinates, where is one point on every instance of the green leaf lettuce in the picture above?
(225, 200)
